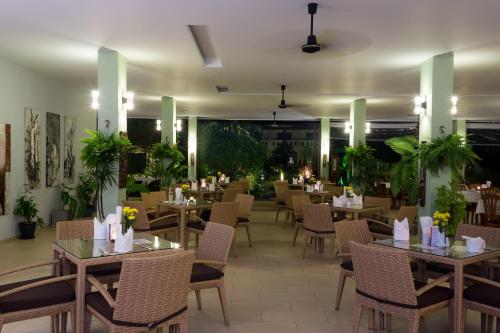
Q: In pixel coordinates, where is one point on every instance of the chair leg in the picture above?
(414, 325)
(490, 324)
(340, 288)
(358, 311)
(222, 297)
(183, 327)
(277, 214)
(87, 320)
(305, 245)
(296, 234)
(381, 326)
(198, 298)
(249, 235)
(64, 322)
(73, 320)
(372, 319)
(450, 316)
(388, 321)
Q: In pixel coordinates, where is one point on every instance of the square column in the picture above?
(325, 149)
(358, 122)
(168, 116)
(436, 86)
(192, 147)
(112, 113)
(460, 127)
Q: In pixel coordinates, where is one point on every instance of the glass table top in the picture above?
(357, 207)
(94, 248)
(453, 251)
(197, 203)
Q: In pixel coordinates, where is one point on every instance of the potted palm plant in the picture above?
(361, 164)
(27, 211)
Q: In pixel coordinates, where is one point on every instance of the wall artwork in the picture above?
(32, 170)
(53, 149)
(69, 149)
(4, 169)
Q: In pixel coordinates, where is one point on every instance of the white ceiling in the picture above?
(379, 48)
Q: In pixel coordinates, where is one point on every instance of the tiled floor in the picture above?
(269, 288)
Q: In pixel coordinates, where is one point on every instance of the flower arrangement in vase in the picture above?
(441, 222)
(128, 218)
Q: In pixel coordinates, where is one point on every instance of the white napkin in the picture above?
(318, 182)
(100, 229)
(295, 181)
(340, 201)
(309, 188)
(124, 243)
(426, 224)
(178, 195)
(214, 180)
(474, 244)
(357, 200)
(194, 185)
(488, 183)
(118, 212)
(227, 180)
(211, 187)
(401, 230)
(203, 183)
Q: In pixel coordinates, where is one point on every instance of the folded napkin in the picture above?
(295, 181)
(124, 242)
(401, 230)
(426, 224)
(203, 183)
(100, 229)
(474, 244)
(488, 183)
(194, 185)
(118, 213)
(357, 200)
(211, 187)
(340, 201)
(309, 188)
(178, 195)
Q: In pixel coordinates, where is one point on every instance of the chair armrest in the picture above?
(380, 223)
(344, 255)
(38, 284)
(101, 289)
(23, 268)
(160, 219)
(197, 218)
(482, 280)
(210, 262)
(434, 283)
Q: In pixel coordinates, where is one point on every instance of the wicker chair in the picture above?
(384, 282)
(377, 201)
(347, 231)
(298, 213)
(289, 203)
(280, 187)
(333, 189)
(483, 296)
(39, 297)
(243, 217)
(318, 224)
(158, 226)
(241, 186)
(160, 300)
(384, 229)
(229, 195)
(150, 199)
(491, 198)
(211, 259)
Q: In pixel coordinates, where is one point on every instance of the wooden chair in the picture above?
(491, 199)
(384, 282)
(139, 307)
(280, 187)
(211, 259)
(40, 297)
(298, 213)
(347, 231)
(244, 212)
(289, 203)
(318, 225)
(158, 226)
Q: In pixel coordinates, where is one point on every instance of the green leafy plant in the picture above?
(27, 208)
(100, 156)
(167, 164)
(449, 199)
(84, 193)
(68, 200)
(361, 165)
(404, 174)
(132, 186)
(449, 151)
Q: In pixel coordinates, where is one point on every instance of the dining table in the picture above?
(205, 194)
(355, 210)
(455, 256)
(321, 195)
(184, 210)
(84, 253)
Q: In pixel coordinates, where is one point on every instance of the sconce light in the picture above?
(420, 104)
(191, 159)
(95, 99)
(178, 125)
(128, 101)
(368, 128)
(347, 128)
(454, 101)
(158, 124)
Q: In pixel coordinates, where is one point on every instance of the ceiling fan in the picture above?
(312, 45)
(282, 104)
(275, 125)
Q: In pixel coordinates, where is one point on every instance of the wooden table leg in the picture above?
(458, 299)
(80, 299)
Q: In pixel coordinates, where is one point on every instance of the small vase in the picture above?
(438, 238)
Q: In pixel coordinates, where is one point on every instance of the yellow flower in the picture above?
(132, 217)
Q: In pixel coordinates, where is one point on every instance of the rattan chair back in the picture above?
(229, 194)
(151, 288)
(490, 235)
(280, 187)
(225, 213)
(240, 185)
(490, 197)
(383, 273)
(351, 231)
(410, 212)
(215, 243)
(288, 197)
(378, 201)
(298, 202)
(317, 218)
(333, 189)
(246, 204)
(141, 218)
(75, 229)
(150, 199)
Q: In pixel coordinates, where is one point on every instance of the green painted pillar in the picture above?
(325, 149)
(436, 86)
(357, 120)
(192, 147)
(112, 113)
(460, 126)
(168, 116)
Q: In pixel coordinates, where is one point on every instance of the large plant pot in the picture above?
(27, 230)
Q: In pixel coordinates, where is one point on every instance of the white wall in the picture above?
(20, 88)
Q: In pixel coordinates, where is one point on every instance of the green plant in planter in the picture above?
(68, 201)
(100, 156)
(84, 194)
(449, 199)
(404, 174)
(27, 208)
(361, 164)
(167, 164)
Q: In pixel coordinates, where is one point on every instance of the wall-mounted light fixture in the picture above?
(368, 128)
(158, 124)
(420, 105)
(95, 99)
(178, 125)
(128, 101)
(454, 101)
(347, 127)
